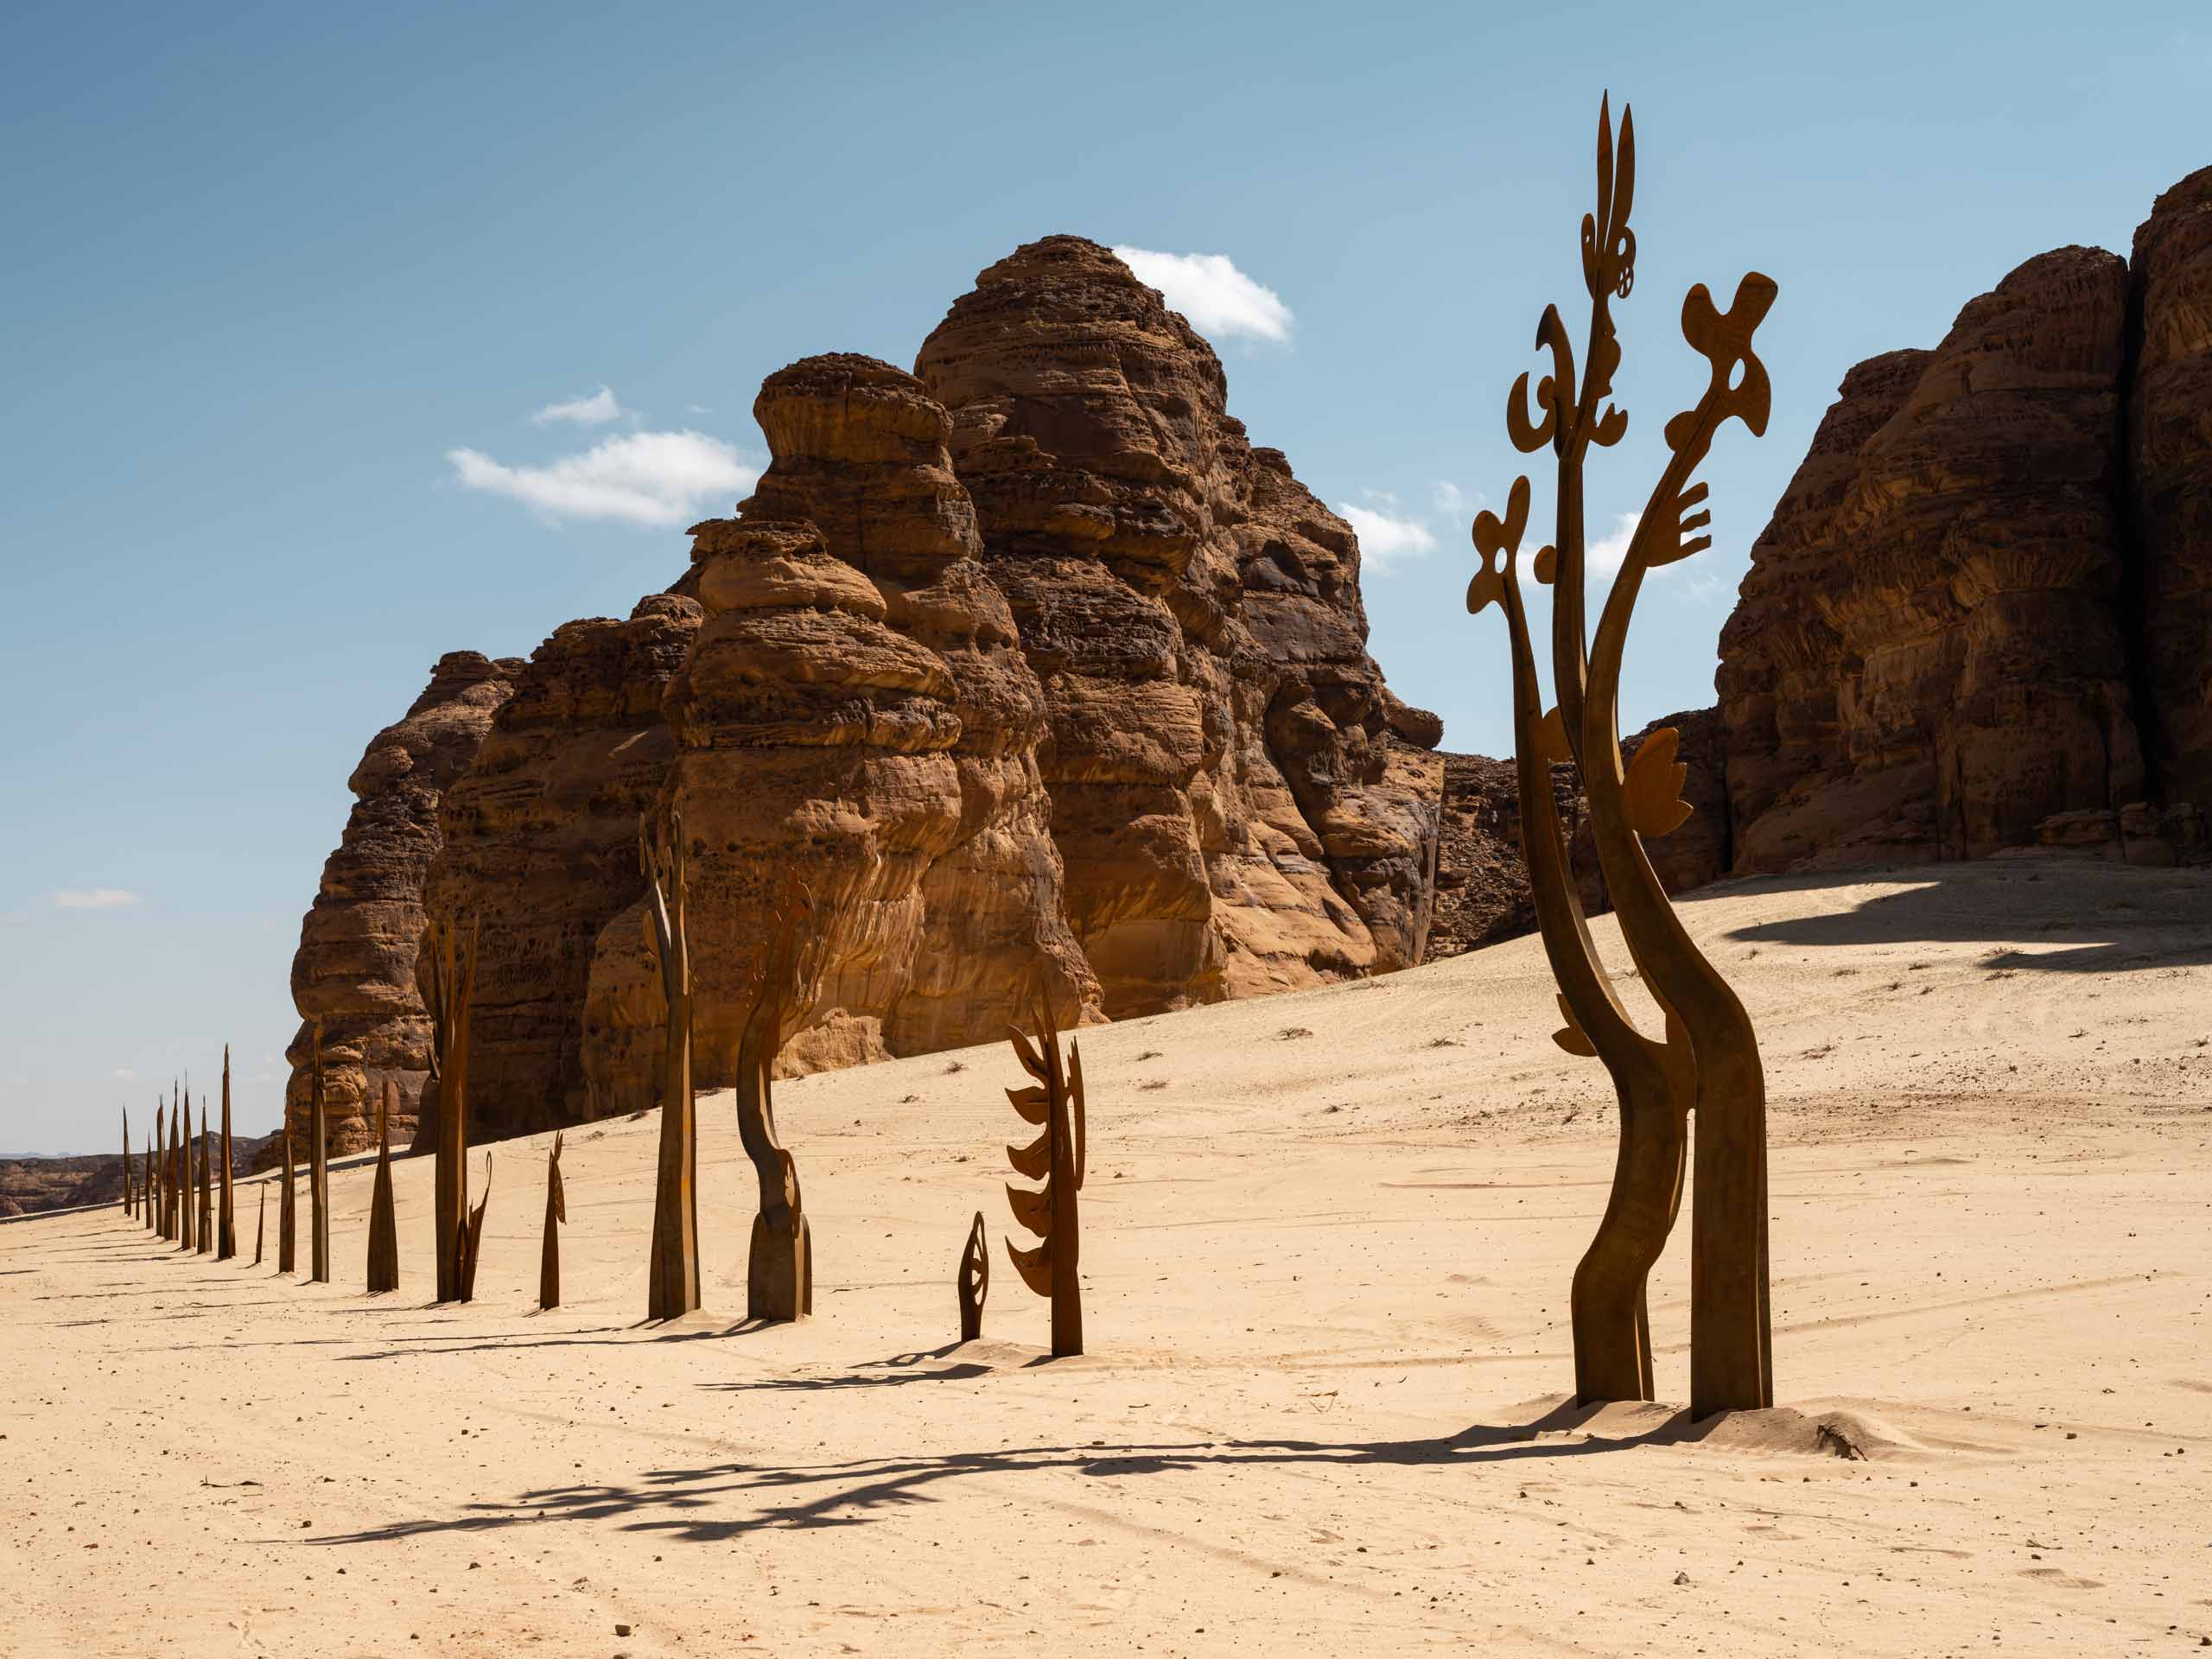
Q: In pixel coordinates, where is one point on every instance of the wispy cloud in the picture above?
(659, 478)
(125, 1073)
(595, 410)
(1218, 300)
(95, 898)
(1449, 499)
(1384, 537)
(1604, 556)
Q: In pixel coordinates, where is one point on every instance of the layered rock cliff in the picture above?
(355, 968)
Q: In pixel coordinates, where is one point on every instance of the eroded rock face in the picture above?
(540, 851)
(1952, 580)
(1231, 811)
(2170, 455)
(355, 967)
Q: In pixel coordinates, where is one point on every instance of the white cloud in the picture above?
(1449, 499)
(700, 409)
(660, 478)
(94, 898)
(1218, 300)
(1385, 539)
(597, 410)
(1604, 557)
(125, 1072)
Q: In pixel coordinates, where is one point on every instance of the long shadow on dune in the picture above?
(2126, 924)
(854, 1492)
(606, 1336)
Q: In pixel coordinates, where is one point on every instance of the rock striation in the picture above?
(355, 967)
(1232, 809)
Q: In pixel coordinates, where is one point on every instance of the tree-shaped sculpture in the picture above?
(287, 1202)
(226, 1220)
(205, 1235)
(318, 1170)
(383, 1222)
(450, 984)
(782, 977)
(556, 1211)
(1056, 1158)
(672, 1284)
(974, 1279)
(1709, 1057)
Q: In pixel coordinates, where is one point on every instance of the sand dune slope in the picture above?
(1327, 1245)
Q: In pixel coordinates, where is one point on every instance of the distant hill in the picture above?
(32, 1183)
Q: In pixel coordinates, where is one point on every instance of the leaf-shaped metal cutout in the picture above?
(1573, 1039)
(1651, 793)
(1035, 1266)
(1551, 739)
(1075, 1106)
(1546, 564)
(1030, 1063)
(1033, 1209)
(1035, 1159)
(1032, 1103)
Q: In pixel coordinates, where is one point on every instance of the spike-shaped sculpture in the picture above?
(673, 1283)
(149, 1180)
(187, 1185)
(471, 1238)
(1056, 1157)
(1707, 1058)
(129, 1204)
(452, 983)
(287, 1206)
(205, 1237)
(556, 1211)
(226, 1221)
(974, 1279)
(261, 1223)
(318, 1170)
(779, 1267)
(384, 1223)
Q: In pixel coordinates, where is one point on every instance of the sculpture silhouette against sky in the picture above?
(227, 1220)
(1707, 1059)
(1055, 1157)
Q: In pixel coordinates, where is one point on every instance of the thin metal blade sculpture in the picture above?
(288, 1204)
(472, 1237)
(384, 1223)
(129, 1204)
(185, 1182)
(227, 1221)
(672, 1284)
(1057, 1157)
(974, 1279)
(779, 1266)
(556, 1211)
(451, 985)
(206, 1234)
(318, 1170)
(261, 1223)
(1707, 1058)
(149, 1180)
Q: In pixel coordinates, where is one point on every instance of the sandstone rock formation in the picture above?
(355, 968)
(1233, 812)
(540, 851)
(2170, 477)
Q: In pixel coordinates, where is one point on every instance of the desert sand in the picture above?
(1327, 1241)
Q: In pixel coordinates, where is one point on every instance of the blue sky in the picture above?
(270, 269)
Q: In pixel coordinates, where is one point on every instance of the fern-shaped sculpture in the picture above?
(1055, 1157)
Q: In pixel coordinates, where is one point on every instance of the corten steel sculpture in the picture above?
(205, 1235)
(471, 1238)
(974, 1279)
(1707, 1059)
(556, 1211)
(226, 1221)
(261, 1223)
(673, 1274)
(130, 1204)
(185, 1182)
(1056, 1158)
(149, 1180)
(287, 1204)
(384, 1223)
(451, 984)
(779, 1267)
(318, 1171)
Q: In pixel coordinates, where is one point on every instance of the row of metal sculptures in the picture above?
(779, 1281)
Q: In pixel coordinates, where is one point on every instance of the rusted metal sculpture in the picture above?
(673, 1274)
(1056, 1158)
(974, 1279)
(206, 1234)
(556, 1211)
(226, 1221)
(471, 1238)
(779, 1267)
(185, 1182)
(129, 1204)
(1707, 1059)
(261, 1223)
(384, 1223)
(288, 1204)
(451, 984)
(149, 1180)
(318, 1170)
